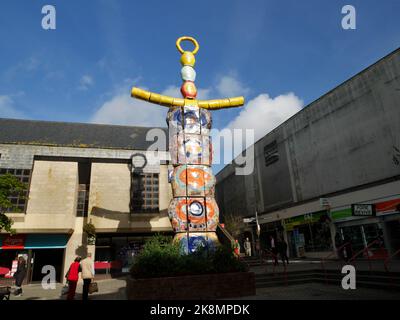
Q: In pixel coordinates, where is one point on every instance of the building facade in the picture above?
(332, 171)
(80, 173)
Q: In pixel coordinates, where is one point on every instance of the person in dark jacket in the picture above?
(19, 276)
(348, 248)
(73, 277)
(282, 247)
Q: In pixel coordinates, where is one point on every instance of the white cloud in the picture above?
(7, 108)
(85, 82)
(124, 110)
(264, 113)
(230, 86)
(261, 114)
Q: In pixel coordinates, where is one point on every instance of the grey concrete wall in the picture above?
(347, 138)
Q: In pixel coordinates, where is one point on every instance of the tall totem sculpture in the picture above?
(193, 211)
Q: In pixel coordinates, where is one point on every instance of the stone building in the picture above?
(80, 173)
(330, 171)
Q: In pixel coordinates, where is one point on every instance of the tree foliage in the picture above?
(90, 229)
(9, 186)
(234, 224)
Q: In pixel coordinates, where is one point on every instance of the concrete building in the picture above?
(313, 172)
(79, 173)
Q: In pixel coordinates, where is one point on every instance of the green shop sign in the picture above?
(341, 214)
(290, 223)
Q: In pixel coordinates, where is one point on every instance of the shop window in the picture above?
(317, 236)
(145, 193)
(271, 153)
(19, 201)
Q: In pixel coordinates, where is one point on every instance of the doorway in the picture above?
(393, 231)
(43, 257)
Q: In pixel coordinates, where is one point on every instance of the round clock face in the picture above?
(139, 161)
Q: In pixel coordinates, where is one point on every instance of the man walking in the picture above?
(283, 251)
(247, 247)
(87, 267)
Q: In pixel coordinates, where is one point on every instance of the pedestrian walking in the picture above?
(247, 247)
(339, 243)
(87, 268)
(19, 276)
(348, 248)
(73, 277)
(283, 251)
(273, 249)
(236, 248)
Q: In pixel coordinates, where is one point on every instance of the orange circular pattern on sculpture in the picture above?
(181, 209)
(193, 176)
(210, 210)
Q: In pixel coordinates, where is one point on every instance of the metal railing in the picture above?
(386, 263)
(268, 253)
(367, 250)
(335, 252)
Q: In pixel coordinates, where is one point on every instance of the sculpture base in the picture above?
(192, 241)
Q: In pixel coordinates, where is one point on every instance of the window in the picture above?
(145, 192)
(84, 169)
(83, 200)
(19, 201)
(271, 153)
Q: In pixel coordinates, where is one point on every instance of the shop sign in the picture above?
(324, 202)
(341, 214)
(363, 210)
(388, 206)
(290, 223)
(14, 242)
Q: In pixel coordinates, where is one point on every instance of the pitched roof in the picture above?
(69, 134)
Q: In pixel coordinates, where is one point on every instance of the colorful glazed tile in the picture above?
(196, 214)
(177, 212)
(212, 214)
(191, 115)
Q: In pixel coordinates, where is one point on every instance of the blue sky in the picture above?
(83, 70)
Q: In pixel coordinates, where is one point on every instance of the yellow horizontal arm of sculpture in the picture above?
(179, 102)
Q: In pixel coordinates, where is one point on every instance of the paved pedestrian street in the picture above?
(114, 289)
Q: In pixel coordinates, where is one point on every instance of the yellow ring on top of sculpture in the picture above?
(192, 40)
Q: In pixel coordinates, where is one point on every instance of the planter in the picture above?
(91, 240)
(194, 287)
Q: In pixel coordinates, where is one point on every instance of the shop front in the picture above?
(115, 253)
(309, 235)
(38, 250)
(374, 225)
(267, 230)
